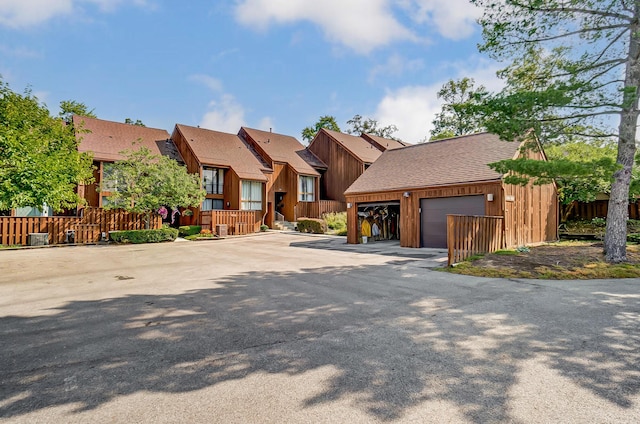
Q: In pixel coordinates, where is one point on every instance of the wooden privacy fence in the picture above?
(598, 209)
(317, 209)
(237, 222)
(87, 228)
(473, 235)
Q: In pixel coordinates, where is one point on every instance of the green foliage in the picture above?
(264, 228)
(137, 122)
(68, 108)
(326, 121)
(39, 159)
(457, 117)
(144, 236)
(312, 225)
(336, 221)
(189, 230)
(145, 182)
(633, 238)
(574, 66)
(360, 126)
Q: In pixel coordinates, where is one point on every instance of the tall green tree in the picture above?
(581, 169)
(39, 159)
(326, 121)
(68, 108)
(137, 122)
(360, 125)
(578, 68)
(456, 117)
(144, 182)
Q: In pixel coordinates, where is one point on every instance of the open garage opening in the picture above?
(379, 222)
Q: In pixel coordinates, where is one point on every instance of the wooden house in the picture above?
(233, 177)
(106, 140)
(346, 156)
(293, 173)
(411, 190)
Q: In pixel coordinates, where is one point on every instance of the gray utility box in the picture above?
(221, 230)
(38, 239)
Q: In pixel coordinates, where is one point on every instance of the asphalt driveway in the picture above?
(290, 328)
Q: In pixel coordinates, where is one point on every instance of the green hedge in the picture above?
(189, 230)
(312, 225)
(144, 236)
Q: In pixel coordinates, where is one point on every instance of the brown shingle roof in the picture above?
(358, 146)
(384, 143)
(451, 161)
(282, 148)
(216, 148)
(107, 139)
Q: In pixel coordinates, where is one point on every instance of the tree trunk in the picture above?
(615, 240)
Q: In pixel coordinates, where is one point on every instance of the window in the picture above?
(212, 204)
(213, 180)
(109, 178)
(251, 196)
(306, 189)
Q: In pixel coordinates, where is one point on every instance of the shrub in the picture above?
(312, 225)
(633, 238)
(264, 228)
(189, 230)
(336, 221)
(144, 236)
(206, 232)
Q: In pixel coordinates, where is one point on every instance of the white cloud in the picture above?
(265, 124)
(413, 108)
(454, 19)
(361, 25)
(225, 114)
(396, 65)
(26, 13)
(212, 83)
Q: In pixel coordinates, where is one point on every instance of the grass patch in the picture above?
(506, 252)
(9, 246)
(566, 260)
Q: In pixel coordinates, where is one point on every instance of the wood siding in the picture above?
(342, 167)
(530, 214)
(410, 206)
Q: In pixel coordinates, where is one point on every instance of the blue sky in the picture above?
(260, 63)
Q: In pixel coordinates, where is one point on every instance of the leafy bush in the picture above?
(264, 228)
(189, 230)
(312, 225)
(633, 238)
(144, 236)
(206, 232)
(336, 221)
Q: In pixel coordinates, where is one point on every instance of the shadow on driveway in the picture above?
(393, 344)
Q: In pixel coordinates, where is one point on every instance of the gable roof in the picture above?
(282, 148)
(222, 149)
(106, 139)
(384, 143)
(358, 146)
(451, 161)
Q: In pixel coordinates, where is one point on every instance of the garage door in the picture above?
(434, 216)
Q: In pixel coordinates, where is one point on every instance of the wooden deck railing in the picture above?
(317, 209)
(87, 228)
(473, 235)
(237, 222)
